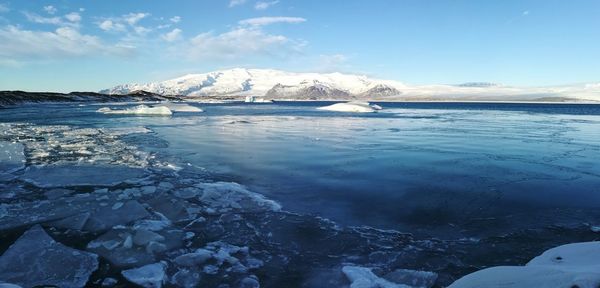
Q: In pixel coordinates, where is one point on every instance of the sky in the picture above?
(87, 45)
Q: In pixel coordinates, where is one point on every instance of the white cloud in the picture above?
(261, 5)
(81, 9)
(109, 25)
(175, 19)
(73, 17)
(233, 3)
(50, 9)
(4, 8)
(262, 21)
(126, 23)
(21, 45)
(35, 18)
(133, 18)
(172, 36)
(239, 43)
(525, 13)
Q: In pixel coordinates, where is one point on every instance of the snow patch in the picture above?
(571, 265)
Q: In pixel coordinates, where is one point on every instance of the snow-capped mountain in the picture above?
(266, 82)
(276, 84)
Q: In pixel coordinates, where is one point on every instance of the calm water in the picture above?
(448, 170)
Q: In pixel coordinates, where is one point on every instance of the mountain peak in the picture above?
(259, 82)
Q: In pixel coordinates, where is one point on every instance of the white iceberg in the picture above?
(254, 99)
(356, 107)
(180, 107)
(572, 265)
(139, 110)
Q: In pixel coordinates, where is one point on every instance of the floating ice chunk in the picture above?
(141, 110)
(572, 265)
(228, 195)
(109, 282)
(412, 278)
(51, 176)
(76, 222)
(362, 277)
(254, 99)
(12, 157)
(250, 282)
(36, 259)
(349, 107)
(180, 107)
(149, 276)
(107, 217)
(194, 259)
(186, 278)
(365, 103)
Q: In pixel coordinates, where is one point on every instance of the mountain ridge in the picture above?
(281, 85)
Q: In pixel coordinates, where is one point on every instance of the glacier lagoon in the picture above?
(285, 194)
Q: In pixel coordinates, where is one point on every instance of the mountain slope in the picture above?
(275, 84)
(260, 82)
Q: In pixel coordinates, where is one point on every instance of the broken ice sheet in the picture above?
(36, 259)
(12, 158)
(51, 176)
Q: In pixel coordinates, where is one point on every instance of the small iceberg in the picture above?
(354, 106)
(181, 107)
(571, 265)
(254, 99)
(142, 110)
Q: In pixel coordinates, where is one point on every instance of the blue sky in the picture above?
(67, 45)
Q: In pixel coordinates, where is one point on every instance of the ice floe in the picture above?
(51, 176)
(140, 110)
(571, 265)
(362, 277)
(226, 196)
(356, 107)
(149, 276)
(180, 107)
(12, 157)
(254, 99)
(36, 259)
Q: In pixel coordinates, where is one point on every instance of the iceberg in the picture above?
(356, 107)
(142, 110)
(35, 259)
(180, 107)
(254, 99)
(571, 265)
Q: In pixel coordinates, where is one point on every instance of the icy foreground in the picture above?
(36, 259)
(571, 265)
(92, 202)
